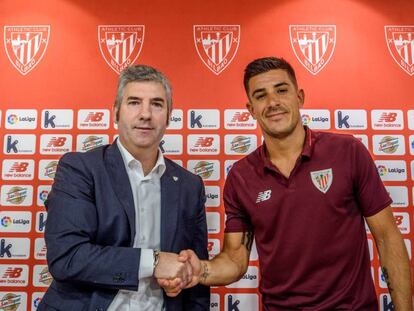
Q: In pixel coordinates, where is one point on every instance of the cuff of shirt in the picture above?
(146, 263)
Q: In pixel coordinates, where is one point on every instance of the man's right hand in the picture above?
(173, 287)
(171, 268)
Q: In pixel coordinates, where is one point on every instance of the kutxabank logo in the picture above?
(216, 45)
(120, 45)
(26, 45)
(313, 45)
(400, 43)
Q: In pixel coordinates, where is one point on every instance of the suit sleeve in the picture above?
(198, 297)
(71, 231)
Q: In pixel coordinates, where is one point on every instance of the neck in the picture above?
(146, 156)
(286, 147)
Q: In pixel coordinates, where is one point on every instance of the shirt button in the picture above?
(143, 237)
(142, 210)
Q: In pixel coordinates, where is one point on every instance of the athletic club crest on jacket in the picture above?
(120, 45)
(26, 45)
(216, 45)
(400, 42)
(313, 45)
(322, 179)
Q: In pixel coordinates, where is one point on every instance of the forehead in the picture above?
(269, 79)
(145, 89)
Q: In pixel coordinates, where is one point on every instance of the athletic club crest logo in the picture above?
(216, 45)
(313, 45)
(322, 180)
(400, 42)
(120, 45)
(26, 45)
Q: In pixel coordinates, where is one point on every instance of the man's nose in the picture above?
(145, 111)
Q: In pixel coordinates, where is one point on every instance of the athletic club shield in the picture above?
(400, 42)
(322, 180)
(26, 45)
(216, 45)
(120, 45)
(313, 45)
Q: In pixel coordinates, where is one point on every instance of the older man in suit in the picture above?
(118, 215)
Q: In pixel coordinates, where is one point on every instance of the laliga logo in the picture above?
(216, 45)
(313, 45)
(6, 221)
(26, 45)
(16, 195)
(10, 302)
(400, 42)
(204, 169)
(382, 170)
(12, 119)
(43, 195)
(306, 119)
(120, 45)
(37, 301)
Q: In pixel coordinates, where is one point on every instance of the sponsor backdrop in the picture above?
(59, 63)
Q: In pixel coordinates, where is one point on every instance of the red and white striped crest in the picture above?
(120, 45)
(26, 45)
(216, 45)
(313, 45)
(400, 42)
(322, 179)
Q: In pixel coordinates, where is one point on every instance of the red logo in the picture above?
(204, 142)
(241, 117)
(12, 273)
(398, 220)
(57, 142)
(94, 117)
(120, 45)
(313, 45)
(216, 45)
(19, 167)
(400, 42)
(26, 45)
(388, 117)
(210, 246)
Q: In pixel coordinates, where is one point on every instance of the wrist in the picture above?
(204, 272)
(156, 254)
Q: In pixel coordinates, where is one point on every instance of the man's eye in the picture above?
(157, 104)
(133, 103)
(260, 96)
(280, 91)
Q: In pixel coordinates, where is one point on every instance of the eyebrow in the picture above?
(139, 98)
(275, 86)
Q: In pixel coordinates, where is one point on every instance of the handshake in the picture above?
(176, 272)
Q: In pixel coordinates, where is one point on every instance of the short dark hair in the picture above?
(265, 64)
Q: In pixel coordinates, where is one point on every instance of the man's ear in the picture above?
(301, 97)
(249, 107)
(115, 114)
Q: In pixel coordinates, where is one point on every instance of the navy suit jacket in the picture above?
(91, 227)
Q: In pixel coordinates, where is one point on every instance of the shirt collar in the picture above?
(130, 162)
(306, 150)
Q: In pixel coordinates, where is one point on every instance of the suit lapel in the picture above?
(170, 192)
(120, 182)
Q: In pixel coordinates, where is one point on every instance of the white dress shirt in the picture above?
(146, 191)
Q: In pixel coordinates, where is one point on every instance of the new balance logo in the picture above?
(388, 117)
(263, 196)
(57, 142)
(241, 117)
(19, 167)
(12, 273)
(204, 142)
(94, 117)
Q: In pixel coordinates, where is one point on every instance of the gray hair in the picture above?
(142, 73)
